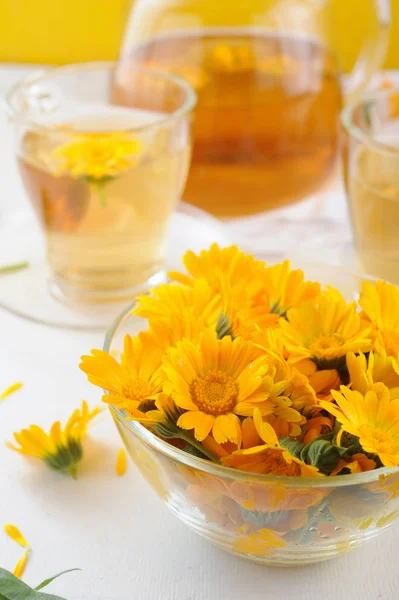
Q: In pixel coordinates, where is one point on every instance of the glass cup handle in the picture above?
(372, 54)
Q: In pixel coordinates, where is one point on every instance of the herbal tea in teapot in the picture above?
(266, 122)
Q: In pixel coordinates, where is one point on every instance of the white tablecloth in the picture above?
(116, 530)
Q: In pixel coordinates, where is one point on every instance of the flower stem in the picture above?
(101, 195)
(13, 268)
(199, 447)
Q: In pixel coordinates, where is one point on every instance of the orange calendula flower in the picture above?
(121, 462)
(10, 390)
(316, 427)
(270, 458)
(380, 303)
(14, 533)
(323, 382)
(61, 449)
(359, 463)
(372, 417)
(324, 329)
(134, 380)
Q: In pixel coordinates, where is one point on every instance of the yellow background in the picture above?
(62, 31)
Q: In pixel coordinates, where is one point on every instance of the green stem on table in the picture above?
(13, 268)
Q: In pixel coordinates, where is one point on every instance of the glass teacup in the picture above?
(371, 160)
(103, 179)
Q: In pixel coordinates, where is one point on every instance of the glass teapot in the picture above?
(267, 77)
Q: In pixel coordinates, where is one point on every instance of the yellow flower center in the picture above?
(327, 345)
(137, 390)
(381, 440)
(215, 393)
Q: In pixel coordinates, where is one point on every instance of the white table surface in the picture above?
(116, 530)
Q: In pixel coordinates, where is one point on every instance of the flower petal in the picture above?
(10, 390)
(14, 533)
(121, 462)
(21, 565)
(225, 429)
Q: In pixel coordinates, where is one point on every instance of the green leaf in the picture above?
(46, 582)
(294, 448)
(322, 454)
(12, 588)
(223, 327)
(276, 310)
(13, 268)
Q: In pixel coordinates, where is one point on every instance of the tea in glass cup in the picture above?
(103, 179)
(371, 161)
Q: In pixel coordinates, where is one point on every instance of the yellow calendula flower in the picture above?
(256, 306)
(364, 372)
(170, 299)
(132, 381)
(14, 533)
(167, 333)
(96, 156)
(217, 380)
(210, 381)
(233, 264)
(324, 329)
(269, 458)
(380, 303)
(286, 381)
(61, 449)
(279, 288)
(288, 394)
(373, 417)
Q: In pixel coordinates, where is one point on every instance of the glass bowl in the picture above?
(271, 520)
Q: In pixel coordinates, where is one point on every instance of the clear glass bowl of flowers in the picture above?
(262, 405)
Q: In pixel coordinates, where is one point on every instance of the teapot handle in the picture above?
(372, 54)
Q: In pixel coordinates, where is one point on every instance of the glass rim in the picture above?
(357, 132)
(146, 436)
(48, 73)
